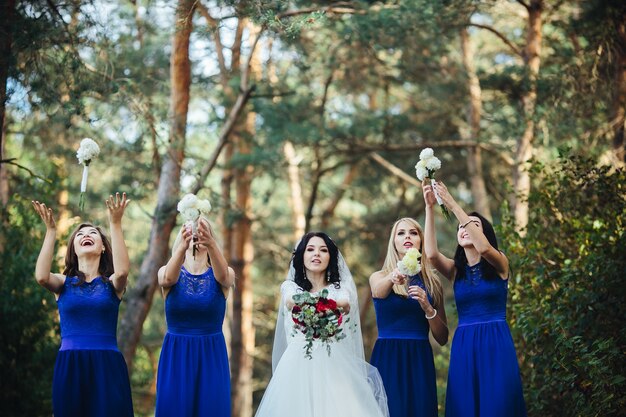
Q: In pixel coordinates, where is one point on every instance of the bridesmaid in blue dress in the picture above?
(483, 378)
(407, 308)
(90, 374)
(194, 378)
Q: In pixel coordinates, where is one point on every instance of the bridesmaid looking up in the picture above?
(90, 374)
(483, 378)
(193, 377)
(407, 308)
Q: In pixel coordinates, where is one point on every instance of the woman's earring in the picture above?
(327, 275)
(304, 273)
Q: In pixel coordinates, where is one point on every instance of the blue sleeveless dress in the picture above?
(404, 357)
(193, 377)
(483, 378)
(90, 375)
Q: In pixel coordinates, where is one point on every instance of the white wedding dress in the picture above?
(339, 384)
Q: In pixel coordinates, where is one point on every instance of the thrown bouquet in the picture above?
(317, 317)
(87, 151)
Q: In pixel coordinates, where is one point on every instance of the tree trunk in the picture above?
(139, 298)
(329, 212)
(474, 156)
(242, 326)
(293, 175)
(619, 101)
(7, 11)
(521, 176)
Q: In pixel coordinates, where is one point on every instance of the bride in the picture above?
(339, 383)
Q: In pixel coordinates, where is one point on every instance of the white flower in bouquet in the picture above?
(410, 263)
(425, 168)
(190, 208)
(87, 151)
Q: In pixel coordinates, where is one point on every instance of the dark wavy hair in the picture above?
(332, 272)
(105, 268)
(460, 260)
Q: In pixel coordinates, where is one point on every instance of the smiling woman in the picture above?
(89, 365)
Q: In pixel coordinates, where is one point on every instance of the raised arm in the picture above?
(442, 263)
(223, 274)
(45, 278)
(168, 274)
(474, 230)
(121, 262)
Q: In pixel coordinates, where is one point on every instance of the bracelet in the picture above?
(431, 317)
(465, 224)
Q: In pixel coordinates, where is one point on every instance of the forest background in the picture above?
(292, 116)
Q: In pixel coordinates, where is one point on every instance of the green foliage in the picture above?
(28, 326)
(568, 299)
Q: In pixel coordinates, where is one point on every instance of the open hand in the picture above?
(204, 235)
(116, 207)
(440, 188)
(46, 215)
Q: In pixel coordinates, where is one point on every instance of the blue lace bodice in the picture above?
(88, 314)
(195, 304)
(401, 318)
(478, 299)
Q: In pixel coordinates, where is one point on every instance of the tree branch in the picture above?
(504, 39)
(11, 161)
(338, 8)
(394, 169)
(523, 3)
(219, 48)
(242, 99)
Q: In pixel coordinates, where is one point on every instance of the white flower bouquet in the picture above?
(190, 208)
(410, 265)
(425, 168)
(87, 151)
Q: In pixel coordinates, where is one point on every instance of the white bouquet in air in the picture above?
(410, 265)
(425, 168)
(87, 151)
(190, 208)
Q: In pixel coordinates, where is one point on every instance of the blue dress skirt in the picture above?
(90, 374)
(194, 377)
(403, 356)
(483, 378)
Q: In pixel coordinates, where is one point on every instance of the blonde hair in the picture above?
(431, 281)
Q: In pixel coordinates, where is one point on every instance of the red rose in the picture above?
(325, 304)
(295, 310)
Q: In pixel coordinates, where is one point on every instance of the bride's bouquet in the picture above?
(190, 208)
(410, 265)
(87, 151)
(425, 168)
(317, 317)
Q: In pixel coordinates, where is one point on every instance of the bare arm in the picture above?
(382, 283)
(442, 263)
(121, 261)
(480, 242)
(45, 278)
(168, 274)
(438, 321)
(223, 274)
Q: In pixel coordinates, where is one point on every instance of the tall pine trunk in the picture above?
(474, 156)
(532, 59)
(139, 298)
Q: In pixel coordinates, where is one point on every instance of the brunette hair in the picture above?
(105, 268)
(460, 260)
(332, 272)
